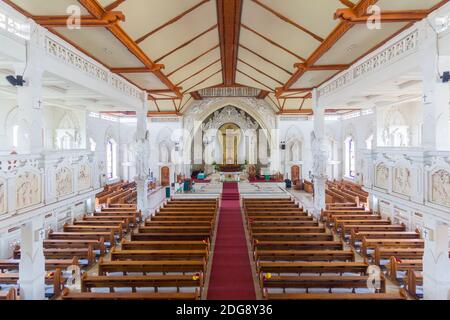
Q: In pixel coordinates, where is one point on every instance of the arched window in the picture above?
(111, 159)
(349, 157)
(369, 142)
(93, 145)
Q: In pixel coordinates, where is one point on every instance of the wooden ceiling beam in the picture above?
(205, 79)
(262, 94)
(259, 71)
(192, 61)
(273, 42)
(287, 20)
(385, 17)
(338, 32)
(199, 71)
(163, 113)
(85, 21)
(187, 42)
(257, 81)
(95, 9)
(196, 95)
(338, 67)
(307, 112)
(114, 5)
(137, 70)
(171, 21)
(265, 59)
(229, 14)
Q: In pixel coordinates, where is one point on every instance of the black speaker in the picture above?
(446, 77)
(16, 81)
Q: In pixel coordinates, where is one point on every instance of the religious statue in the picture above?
(142, 154)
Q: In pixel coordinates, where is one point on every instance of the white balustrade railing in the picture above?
(371, 63)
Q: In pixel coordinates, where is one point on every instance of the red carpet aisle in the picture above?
(231, 274)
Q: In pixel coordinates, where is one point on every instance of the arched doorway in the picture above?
(165, 176)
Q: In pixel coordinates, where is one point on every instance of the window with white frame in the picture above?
(111, 159)
(349, 157)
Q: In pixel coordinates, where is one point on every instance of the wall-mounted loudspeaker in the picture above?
(16, 81)
(446, 77)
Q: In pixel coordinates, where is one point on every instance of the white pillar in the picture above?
(142, 158)
(436, 263)
(320, 155)
(29, 99)
(32, 261)
(436, 111)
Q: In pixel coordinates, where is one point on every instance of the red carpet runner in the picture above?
(231, 274)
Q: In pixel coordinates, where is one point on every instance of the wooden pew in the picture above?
(411, 281)
(356, 236)
(334, 296)
(85, 253)
(286, 230)
(370, 243)
(293, 237)
(312, 267)
(298, 245)
(155, 255)
(178, 223)
(155, 236)
(68, 295)
(382, 253)
(341, 224)
(303, 255)
(68, 243)
(50, 264)
(310, 282)
(116, 229)
(155, 281)
(395, 265)
(186, 266)
(8, 295)
(108, 236)
(165, 245)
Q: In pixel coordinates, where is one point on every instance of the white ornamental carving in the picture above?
(440, 188)
(28, 190)
(404, 46)
(382, 176)
(64, 182)
(402, 181)
(231, 115)
(84, 177)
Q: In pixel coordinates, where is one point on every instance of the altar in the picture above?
(230, 176)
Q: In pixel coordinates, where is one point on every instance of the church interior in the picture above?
(224, 150)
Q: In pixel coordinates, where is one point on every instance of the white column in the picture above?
(29, 99)
(32, 261)
(436, 263)
(320, 156)
(436, 97)
(142, 158)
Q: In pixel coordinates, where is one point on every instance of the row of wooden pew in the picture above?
(122, 192)
(79, 244)
(165, 258)
(345, 192)
(381, 242)
(298, 257)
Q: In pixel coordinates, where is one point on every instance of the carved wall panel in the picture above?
(84, 177)
(64, 182)
(28, 190)
(440, 188)
(382, 176)
(402, 181)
